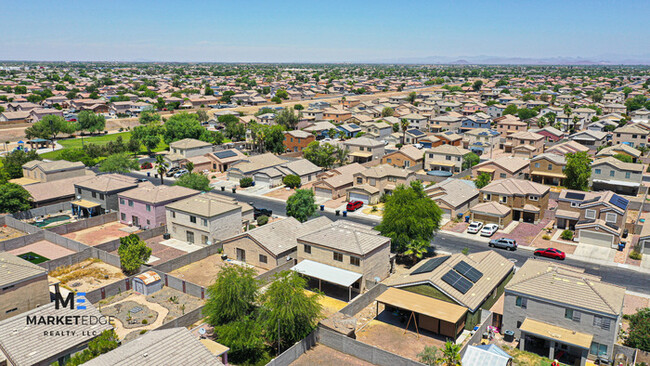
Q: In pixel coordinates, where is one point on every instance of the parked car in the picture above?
(419, 146)
(353, 206)
(504, 243)
(180, 173)
(146, 165)
(172, 171)
(257, 212)
(550, 253)
(474, 227)
(489, 229)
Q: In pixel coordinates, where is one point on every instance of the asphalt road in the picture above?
(632, 280)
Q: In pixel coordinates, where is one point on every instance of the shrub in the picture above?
(145, 321)
(567, 235)
(246, 182)
(143, 331)
(546, 237)
(465, 251)
(291, 181)
(262, 220)
(635, 255)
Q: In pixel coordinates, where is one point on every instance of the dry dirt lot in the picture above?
(99, 234)
(7, 233)
(204, 272)
(323, 355)
(88, 275)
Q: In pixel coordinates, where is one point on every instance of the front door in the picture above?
(135, 221)
(241, 255)
(190, 237)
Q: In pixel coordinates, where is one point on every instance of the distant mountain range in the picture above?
(504, 60)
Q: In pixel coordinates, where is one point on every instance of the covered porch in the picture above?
(341, 278)
(548, 178)
(85, 208)
(566, 219)
(565, 345)
(361, 157)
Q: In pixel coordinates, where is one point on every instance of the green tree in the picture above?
(320, 154)
(577, 171)
(288, 313)
(411, 97)
(49, 127)
(232, 296)
(525, 113)
(404, 124)
(478, 84)
(301, 205)
(626, 91)
(298, 107)
(429, 356)
(14, 198)
(387, 112)
(482, 180)
(511, 109)
(90, 122)
(182, 125)
(638, 334)
(273, 138)
(291, 181)
(133, 146)
(341, 154)
(282, 94)
(161, 167)
(624, 158)
(194, 181)
(288, 118)
(208, 90)
(148, 117)
(409, 215)
(451, 354)
(469, 160)
(133, 253)
(107, 341)
(416, 250)
(245, 340)
(148, 135)
(13, 162)
(202, 116)
(119, 163)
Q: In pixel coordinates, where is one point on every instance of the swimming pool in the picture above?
(50, 220)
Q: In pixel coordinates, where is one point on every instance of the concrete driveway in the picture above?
(595, 252)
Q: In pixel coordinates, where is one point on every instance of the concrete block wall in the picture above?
(295, 351)
(67, 260)
(267, 276)
(184, 320)
(19, 225)
(21, 241)
(361, 301)
(84, 224)
(41, 211)
(187, 259)
(64, 242)
(478, 335)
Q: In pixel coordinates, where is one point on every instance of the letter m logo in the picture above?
(60, 302)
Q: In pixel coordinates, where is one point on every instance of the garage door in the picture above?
(323, 192)
(359, 197)
(234, 176)
(446, 213)
(262, 179)
(596, 238)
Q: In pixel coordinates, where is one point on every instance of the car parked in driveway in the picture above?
(503, 243)
(172, 171)
(180, 173)
(474, 227)
(353, 205)
(489, 229)
(550, 253)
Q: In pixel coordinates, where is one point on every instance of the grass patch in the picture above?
(524, 358)
(33, 258)
(75, 143)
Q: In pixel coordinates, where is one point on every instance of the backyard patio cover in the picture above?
(421, 304)
(326, 273)
(563, 335)
(85, 203)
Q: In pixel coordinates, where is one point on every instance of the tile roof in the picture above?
(109, 183)
(517, 187)
(14, 269)
(491, 208)
(511, 164)
(257, 162)
(189, 144)
(53, 166)
(158, 194)
(448, 150)
(619, 164)
(205, 205)
(347, 236)
(454, 192)
(46, 191)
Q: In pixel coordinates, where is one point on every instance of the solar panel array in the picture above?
(575, 196)
(455, 280)
(430, 265)
(468, 271)
(225, 154)
(619, 202)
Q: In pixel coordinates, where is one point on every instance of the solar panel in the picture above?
(619, 202)
(430, 265)
(457, 281)
(575, 196)
(225, 154)
(468, 271)
(352, 125)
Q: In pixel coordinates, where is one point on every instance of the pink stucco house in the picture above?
(145, 206)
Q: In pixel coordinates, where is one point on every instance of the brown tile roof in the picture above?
(515, 187)
(348, 237)
(158, 194)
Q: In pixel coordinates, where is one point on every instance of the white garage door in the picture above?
(234, 176)
(323, 192)
(596, 238)
(262, 179)
(359, 197)
(446, 213)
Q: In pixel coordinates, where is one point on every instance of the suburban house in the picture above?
(524, 144)
(453, 196)
(612, 174)
(250, 165)
(589, 138)
(47, 171)
(503, 167)
(481, 141)
(509, 124)
(406, 157)
(445, 123)
(614, 108)
(23, 286)
(49, 193)
(378, 130)
(348, 129)
(445, 157)
(342, 246)
(548, 169)
(272, 176)
(98, 195)
(479, 120)
(372, 183)
(145, 206)
(297, 140)
(551, 134)
(336, 115)
(630, 134)
(321, 129)
(188, 148)
(562, 313)
(334, 183)
(640, 115)
(568, 147)
(622, 149)
(449, 138)
(413, 136)
(363, 149)
(507, 200)
(273, 244)
(221, 160)
(206, 218)
(474, 282)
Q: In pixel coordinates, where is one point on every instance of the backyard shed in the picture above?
(147, 283)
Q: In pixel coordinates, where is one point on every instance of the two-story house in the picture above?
(297, 140)
(416, 121)
(552, 134)
(186, 148)
(481, 141)
(561, 312)
(453, 196)
(348, 129)
(98, 195)
(524, 144)
(444, 123)
(503, 167)
(448, 138)
(23, 286)
(356, 250)
(334, 183)
(589, 138)
(48, 171)
(206, 218)
(478, 120)
(145, 206)
(407, 157)
(612, 174)
(548, 169)
(632, 135)
(507, 200)
(509, 124)
(363, 149)
(372, 183)
(619, 149)
(445, 158)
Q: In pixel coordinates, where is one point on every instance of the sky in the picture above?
(319, 31)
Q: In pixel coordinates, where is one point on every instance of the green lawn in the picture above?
(75, 143)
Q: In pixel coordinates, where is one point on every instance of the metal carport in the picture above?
(327, 273)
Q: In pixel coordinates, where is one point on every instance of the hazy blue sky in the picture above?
(318, 31)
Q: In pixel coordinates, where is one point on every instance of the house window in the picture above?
(627, 175)
(204, 239)
(597, 171)
(148, 208)
(101, 196)
(372, 182)
(307, 249)
(121, 201)
(503, 199)
(79, 190)
(521, 302)
(533, 198)
(487, 197)
(123, 216)
(193, 219)
(190, 236)
(610, 217)
(263, 258)
(550, 167)
(536, 165)
(572, 315)
(601, 322)
(355, 261)
(148, 222)
(94, 195)
(338, 257)
(590, 214)
(502, 175)
(598, 349)
(611, 173)
(575, 204)
(359, 180)
(204, 222)
(173, 214)
(130, 203)
(447, 157)
(389, 160)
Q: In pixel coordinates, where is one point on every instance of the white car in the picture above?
(180, 173)
(419, 146)
(474, 227)
(489, 229)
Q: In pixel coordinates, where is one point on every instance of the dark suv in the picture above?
(509, 244)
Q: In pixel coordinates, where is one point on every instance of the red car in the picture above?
(550, 253)
(354, 205)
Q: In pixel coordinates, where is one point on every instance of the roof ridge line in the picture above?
(599, 295)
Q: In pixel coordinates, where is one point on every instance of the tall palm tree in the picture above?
(451, 354)
(404, 123)
(342, 155)
(161, 167)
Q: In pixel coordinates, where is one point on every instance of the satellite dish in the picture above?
(202, 331)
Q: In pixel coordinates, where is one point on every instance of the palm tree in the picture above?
(342, 155)
(161, 167)
(404, 123)
(643, 149)
(416, 250)
(451, 354)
